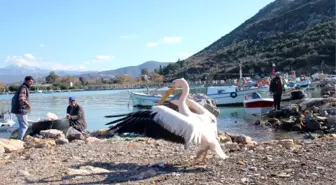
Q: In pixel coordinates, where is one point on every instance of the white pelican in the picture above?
(162, 122)
(185, 105)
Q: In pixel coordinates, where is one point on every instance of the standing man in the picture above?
(75, 114)
(21, 106)
(276, 88)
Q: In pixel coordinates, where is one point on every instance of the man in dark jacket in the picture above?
(75, 114)
(21, 106)
(276, 88)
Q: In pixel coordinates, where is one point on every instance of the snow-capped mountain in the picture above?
(16, 73)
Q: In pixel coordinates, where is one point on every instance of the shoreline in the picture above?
(141, 160)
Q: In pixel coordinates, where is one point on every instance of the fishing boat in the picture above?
(256, 104)
(145, 100)
(6, 121)
(5, 115)
(233, 95)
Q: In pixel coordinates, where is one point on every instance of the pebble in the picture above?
(252, 168)
(170, 164)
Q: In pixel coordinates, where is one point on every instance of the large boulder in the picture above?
(11, 145)
(328, 89)
(309, 103)
(206, 102)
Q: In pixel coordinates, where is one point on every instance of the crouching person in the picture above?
(75, 115)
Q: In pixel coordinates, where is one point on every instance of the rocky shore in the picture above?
(316, 117)
(52, 159)
(55, 157)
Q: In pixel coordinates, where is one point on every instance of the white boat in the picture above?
(146, 100)
(6, 121)
(255, 104)
(231, 95)
(7, 124)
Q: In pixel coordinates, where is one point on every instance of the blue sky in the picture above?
(108, 34)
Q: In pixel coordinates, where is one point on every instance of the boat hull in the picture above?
(145, 100)
(255, 103)
(36, 127)
(235, 98)
(59, 124)
(258, 106)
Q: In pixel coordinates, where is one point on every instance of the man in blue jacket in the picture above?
(21, 106)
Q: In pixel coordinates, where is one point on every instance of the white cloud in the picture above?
(152, 44)
(29, 57)
(102, 59)
(28, 60)
(42, 45)
(25, 60)
(172, 40)
(131, 36)
(166, 40)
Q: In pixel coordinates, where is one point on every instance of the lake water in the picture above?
(97, 104)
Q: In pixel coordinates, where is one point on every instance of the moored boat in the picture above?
(146, 100)
(231, 95)
(256, 104)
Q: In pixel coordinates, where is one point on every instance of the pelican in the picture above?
(189, 107)
(182, 127)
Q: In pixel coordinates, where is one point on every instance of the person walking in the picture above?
(276, 89)
(21, 106)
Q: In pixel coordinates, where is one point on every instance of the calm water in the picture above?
(97, 104)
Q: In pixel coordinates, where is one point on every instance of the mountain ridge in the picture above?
(291, 34)
(15, 73)
(132, 71)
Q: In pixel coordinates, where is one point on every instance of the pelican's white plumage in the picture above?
(185, 104)
(178, 124)
(186, 127)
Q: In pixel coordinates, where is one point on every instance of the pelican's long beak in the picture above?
(168, 93)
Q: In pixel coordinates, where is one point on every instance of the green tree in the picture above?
(82, 80)
(144, 71)
(13, 87)
(52, 78)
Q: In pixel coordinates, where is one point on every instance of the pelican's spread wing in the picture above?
(187, 127)
(160, 122)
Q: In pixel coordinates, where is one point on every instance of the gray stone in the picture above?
(2, 151)
(61, 141)
(331, 122)
(73, 134)
(206, 102)
(51, 133)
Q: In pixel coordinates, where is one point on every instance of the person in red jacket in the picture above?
(276, 88)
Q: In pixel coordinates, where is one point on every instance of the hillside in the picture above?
(294, 34)
(133, 71)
